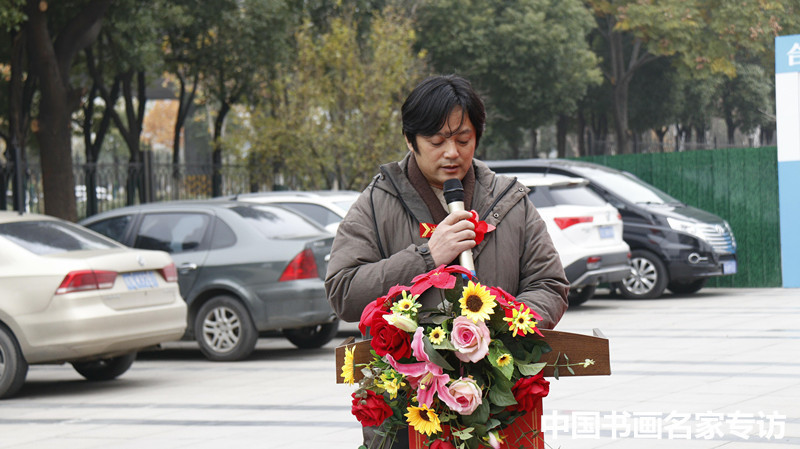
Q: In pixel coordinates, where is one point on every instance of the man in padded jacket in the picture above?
(380, 243)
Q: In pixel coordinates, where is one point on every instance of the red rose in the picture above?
(372, 410)
(527, 390)
(374, 310)
(442, 444)
(388, 339)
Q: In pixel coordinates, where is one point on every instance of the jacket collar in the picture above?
(488, 188)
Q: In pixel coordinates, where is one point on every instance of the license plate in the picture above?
(606, 232)
(140, 280)
(728, 267)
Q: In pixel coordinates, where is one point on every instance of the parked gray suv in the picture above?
(243, 269)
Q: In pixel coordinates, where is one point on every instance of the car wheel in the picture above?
(224, 330)
(687, 287)
(312, 337)
(105, 369)
(579, 296)
(13, 367)
(648, 277)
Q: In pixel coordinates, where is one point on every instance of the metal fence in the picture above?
(117, 185)
(738, 184)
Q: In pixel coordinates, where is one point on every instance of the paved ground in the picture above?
(720, 369)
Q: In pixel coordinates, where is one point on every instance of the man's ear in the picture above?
(410, 147)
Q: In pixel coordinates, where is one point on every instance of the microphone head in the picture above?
(453, 191)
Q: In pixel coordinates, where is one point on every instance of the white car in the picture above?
(325, 207)
(586, 231)
(68, 294)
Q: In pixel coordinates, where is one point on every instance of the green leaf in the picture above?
(501, 396)
(531, 369)
(555, 372)
(463, 434)
(479, 416)
(439, 319)
(435, 356)
(571, 371)
(496, 350)
(445, 344)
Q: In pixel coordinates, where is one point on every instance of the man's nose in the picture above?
(450, 149)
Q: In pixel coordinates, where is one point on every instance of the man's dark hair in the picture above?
(428, 106)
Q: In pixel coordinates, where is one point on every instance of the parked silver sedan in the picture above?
(68, 294)
(243, 269)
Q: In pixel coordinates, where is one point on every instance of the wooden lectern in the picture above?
(576, 347)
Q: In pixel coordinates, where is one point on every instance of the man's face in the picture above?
(448, 153)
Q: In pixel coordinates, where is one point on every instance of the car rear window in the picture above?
(576, 195)
(52, 237)
(276, 222)
(320, 214)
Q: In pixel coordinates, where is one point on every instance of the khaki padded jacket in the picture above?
(518, 256)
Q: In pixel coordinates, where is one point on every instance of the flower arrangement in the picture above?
(458, 373)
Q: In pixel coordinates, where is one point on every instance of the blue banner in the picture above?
(787, 53)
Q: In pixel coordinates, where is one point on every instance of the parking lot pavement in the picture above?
(718, 369)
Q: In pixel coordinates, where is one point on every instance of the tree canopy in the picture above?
(313, 89)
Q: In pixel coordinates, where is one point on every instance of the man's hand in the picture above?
(454, 235)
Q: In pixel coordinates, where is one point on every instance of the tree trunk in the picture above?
(731, 129)
(51, 62)
(700, 132)
(216, 155)
(581, 131)
(562, 126)
(18, 116)
(185, 102)
(661, 133)
(620, 80)
(534, 143)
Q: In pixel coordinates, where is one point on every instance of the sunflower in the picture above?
(423, 420)
(348, 365)
(476, 302)
(504, 359)
(437, 335)
(520, 320)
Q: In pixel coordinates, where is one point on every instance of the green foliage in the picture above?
(746, 101)
(529, 57)
(704, 35)
(336, 118)
(11, 14)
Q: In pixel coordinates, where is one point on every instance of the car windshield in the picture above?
(52, 237)
(277, 223)
(627, 186)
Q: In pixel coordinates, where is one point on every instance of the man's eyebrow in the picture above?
(462, 130)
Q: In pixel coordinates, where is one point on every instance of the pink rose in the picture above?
(467, 394)
(470, 339)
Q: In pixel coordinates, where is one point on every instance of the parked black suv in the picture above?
(673, 245)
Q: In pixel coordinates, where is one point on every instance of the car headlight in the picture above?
(685, 226)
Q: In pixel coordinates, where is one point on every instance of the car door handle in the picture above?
(187, 267)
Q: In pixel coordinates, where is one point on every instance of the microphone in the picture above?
(454, 196)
